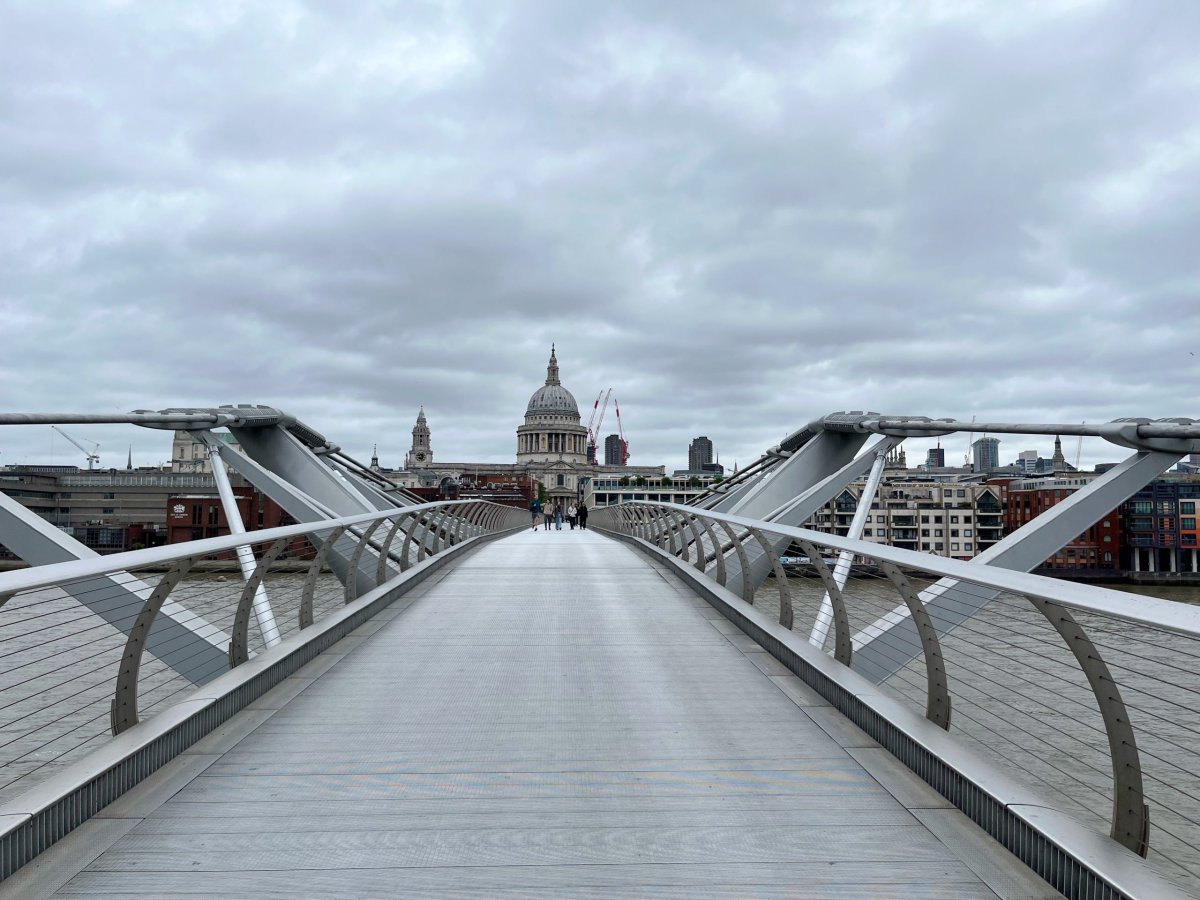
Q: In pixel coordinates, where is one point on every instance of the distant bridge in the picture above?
(434, 697)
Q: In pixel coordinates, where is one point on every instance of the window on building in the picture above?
(937, 532)
(109, 496)
(940, 546)
(954, 548)
(960, 493)
(1187, 524)
(966, 520)
(924, 532)
(954, 520)
(968, 532)
(924, 520)
(953, 532)
(1108, 539)
(1107, 556)
(561, 479)
(107, 511)
(1187, 507)
(925, 545)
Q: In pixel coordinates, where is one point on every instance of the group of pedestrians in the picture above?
(575, 513)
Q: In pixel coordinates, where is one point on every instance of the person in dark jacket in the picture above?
(581, 515)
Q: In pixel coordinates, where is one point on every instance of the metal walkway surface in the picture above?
(553, 716)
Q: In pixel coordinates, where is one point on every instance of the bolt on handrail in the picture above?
(1051, 597)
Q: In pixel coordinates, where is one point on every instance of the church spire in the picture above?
(552, 368)
(1058, 462)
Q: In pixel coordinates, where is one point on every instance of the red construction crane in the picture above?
(591, 444)
(593, 434)
(621, 433)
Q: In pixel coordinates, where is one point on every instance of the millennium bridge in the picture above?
(433, 699)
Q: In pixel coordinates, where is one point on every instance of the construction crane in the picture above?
(970, 437)
(1079, 449)
(621, 435)
(92, 455)
(591, 447)
(593, 435)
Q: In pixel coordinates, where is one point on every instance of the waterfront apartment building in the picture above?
(1159, 527)
(1096, 551)
(958, 519)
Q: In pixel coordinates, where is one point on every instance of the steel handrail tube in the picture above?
(53, 574)
(1177, 617)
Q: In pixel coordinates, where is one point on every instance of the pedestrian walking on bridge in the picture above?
(581, 512)
(571, 513)
(535, 510)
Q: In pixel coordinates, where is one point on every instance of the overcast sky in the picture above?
(738, 216)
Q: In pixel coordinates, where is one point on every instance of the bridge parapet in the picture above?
(76, 681)
(1086, 694)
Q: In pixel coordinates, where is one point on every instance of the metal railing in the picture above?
(74, 666)
(1090, 695)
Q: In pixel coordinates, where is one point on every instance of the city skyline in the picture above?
(738, 220)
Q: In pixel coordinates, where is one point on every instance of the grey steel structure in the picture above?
(795, 479)
(288, 461)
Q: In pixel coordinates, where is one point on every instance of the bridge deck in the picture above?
(554, 716)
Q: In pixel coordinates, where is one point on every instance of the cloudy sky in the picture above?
(738, 216)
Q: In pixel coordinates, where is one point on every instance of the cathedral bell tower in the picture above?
(421, 455)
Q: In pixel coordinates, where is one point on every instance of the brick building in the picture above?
(1096, 550)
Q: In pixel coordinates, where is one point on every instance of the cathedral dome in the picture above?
(552, 397)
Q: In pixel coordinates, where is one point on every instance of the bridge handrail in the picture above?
(36, 577)
(1166, 614)
(58, 647)
(1017, 646)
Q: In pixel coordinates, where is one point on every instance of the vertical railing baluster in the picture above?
(123, 713)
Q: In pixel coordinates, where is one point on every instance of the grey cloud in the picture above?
(738, 221)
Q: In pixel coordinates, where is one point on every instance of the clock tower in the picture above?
(421, 455)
